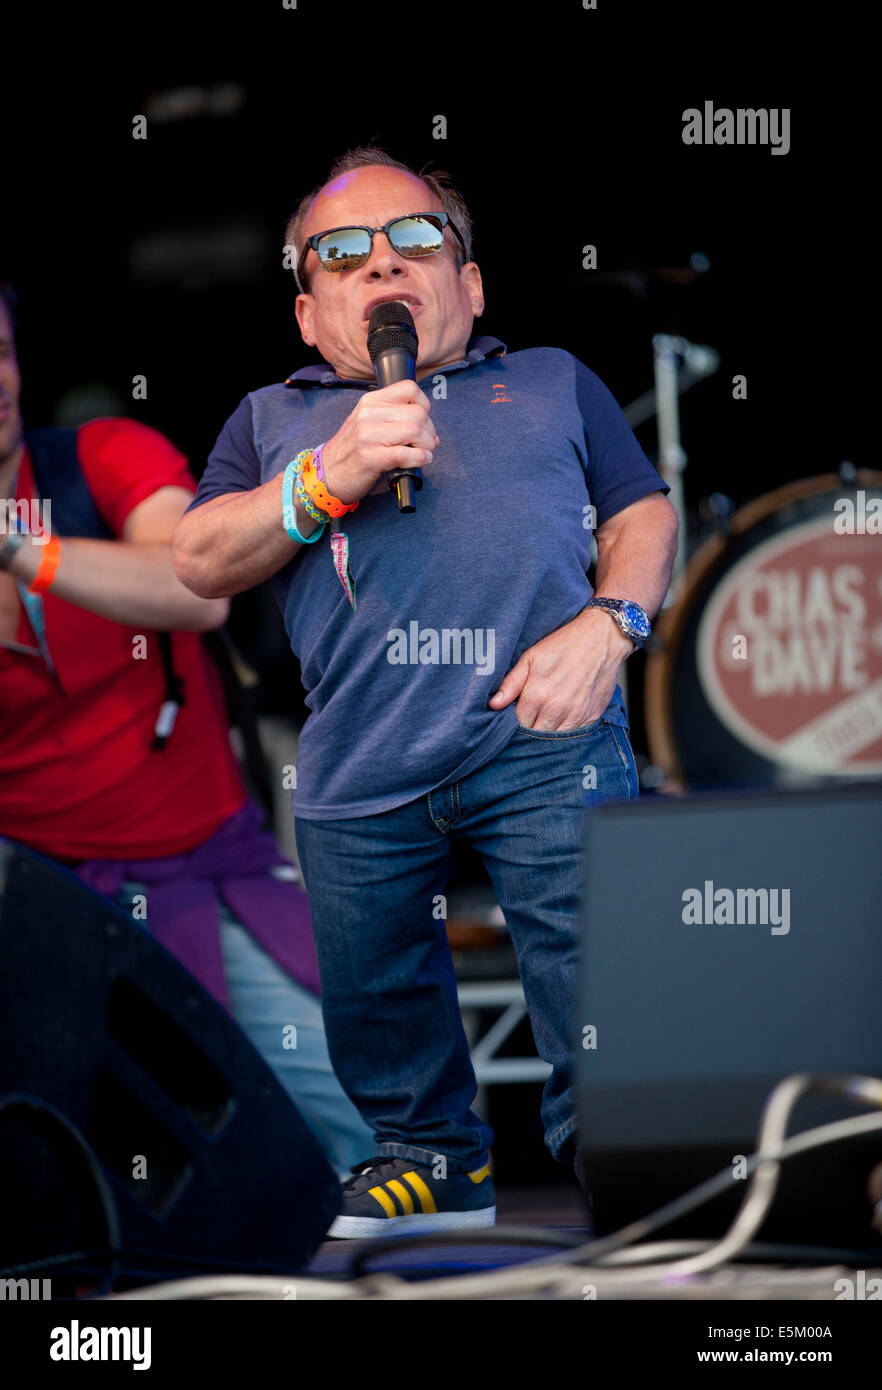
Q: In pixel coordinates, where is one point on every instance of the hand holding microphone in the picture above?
(393, 347)
(389, 431)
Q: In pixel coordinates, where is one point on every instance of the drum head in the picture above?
(767, 669)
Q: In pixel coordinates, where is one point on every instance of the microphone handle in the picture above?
(398, 365)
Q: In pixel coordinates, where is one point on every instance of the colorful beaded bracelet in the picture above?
(303, 497)
(289, 514)
(319, 493)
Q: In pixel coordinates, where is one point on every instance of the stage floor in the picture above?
(553, 1207)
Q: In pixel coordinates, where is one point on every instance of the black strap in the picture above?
(240, 712)
(174, 695)
(58, 474)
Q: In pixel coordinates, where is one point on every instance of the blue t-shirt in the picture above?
(449, 596)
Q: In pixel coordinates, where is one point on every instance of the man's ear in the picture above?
(304, 308)
(471, 277)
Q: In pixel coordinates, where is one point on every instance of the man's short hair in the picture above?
(9, 296)
(368, 156)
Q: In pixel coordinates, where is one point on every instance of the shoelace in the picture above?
(369, 1164)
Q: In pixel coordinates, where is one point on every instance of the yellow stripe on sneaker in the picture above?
(384, 1200)
(402, 1194)
(480, 1173)
(427, 1201)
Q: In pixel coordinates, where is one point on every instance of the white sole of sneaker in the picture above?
(353, 1227)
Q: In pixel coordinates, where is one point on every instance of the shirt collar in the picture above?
(321, 374)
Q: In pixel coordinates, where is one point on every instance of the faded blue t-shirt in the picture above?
(449, 596)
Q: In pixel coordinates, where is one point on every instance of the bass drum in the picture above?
(766, 669)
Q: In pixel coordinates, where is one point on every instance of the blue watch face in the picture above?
(637, 618)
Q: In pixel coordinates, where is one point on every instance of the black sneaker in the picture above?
(395, 1194)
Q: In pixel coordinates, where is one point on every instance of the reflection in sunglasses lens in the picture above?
(416, 236)
(345, 249)
(349, 247)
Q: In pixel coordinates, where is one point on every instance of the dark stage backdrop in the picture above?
(162, 257)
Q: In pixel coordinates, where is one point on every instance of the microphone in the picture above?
(392, 347)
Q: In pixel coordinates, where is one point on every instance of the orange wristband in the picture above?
(42, 580)
(319, 494)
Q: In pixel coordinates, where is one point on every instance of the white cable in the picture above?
(559, 1273)
(763, 1185)
(210, 1286)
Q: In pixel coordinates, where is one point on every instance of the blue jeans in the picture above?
(265, 1001)
(389, 999)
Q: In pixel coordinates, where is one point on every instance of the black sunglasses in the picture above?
(346, 248)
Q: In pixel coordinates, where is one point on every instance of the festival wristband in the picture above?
(45, 575)
(317, 463)
(319, 494)
(340, 553)
(289, 514)
(305, 501)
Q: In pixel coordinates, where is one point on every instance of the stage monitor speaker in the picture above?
(133, 1110)
(729, 941)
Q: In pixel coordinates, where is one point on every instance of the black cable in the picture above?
(681, 1206)
(501, 1235)
(106, 1202)
(635, 1231)
(73, 1257)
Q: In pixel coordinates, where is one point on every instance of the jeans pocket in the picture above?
(619, 733)
(615, 713)
(579, 732)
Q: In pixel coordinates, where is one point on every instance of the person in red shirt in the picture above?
(171, 834)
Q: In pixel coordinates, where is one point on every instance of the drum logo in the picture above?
(790, 650)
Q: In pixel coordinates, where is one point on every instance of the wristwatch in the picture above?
(630, 617)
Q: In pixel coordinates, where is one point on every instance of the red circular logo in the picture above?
(790, 649)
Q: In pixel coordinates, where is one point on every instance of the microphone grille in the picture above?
(390, 336)
(392, 311)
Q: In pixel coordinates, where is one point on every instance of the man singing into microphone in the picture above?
(461, 673)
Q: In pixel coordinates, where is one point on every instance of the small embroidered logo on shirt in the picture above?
(497, 400)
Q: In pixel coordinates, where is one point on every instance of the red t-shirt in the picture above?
(78, 778)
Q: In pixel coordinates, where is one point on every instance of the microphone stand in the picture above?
(673, 377)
